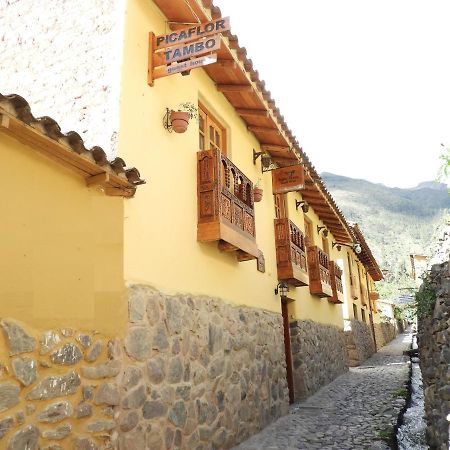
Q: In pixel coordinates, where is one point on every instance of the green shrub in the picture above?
(426, 297)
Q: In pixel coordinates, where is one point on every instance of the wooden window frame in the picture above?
(211, 119)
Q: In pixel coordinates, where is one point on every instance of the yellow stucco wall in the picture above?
(62, 252)
(161, 247)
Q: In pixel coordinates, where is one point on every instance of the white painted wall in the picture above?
(64, 57)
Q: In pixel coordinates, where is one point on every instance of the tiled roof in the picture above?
(366, 256)
(44, 134)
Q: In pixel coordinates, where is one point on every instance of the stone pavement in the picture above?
(355, 411)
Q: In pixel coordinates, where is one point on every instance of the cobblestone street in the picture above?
(355, 411)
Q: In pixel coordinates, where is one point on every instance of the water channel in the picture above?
(411, 434)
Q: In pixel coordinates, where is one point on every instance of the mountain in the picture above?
(396, 222)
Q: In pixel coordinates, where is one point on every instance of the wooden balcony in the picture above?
(373, 297)
(225, 205)
(291, 255)
(319, 272)
(336, 283)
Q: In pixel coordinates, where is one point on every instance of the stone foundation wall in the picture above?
(319, 355)
(359, 341)
(191, 373)
(434, 351)
(384, 333)
(57, 388)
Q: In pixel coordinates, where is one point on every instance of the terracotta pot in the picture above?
(180, 121)
(257, 194)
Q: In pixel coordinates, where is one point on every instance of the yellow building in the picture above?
(235, 306)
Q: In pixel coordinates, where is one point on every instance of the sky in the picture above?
(363, 84)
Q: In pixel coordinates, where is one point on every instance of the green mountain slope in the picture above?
(396, 222)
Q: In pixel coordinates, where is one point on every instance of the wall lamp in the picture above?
(266, 161)
(304, 205)
(324, 232)
(282, 288)
(355, 246)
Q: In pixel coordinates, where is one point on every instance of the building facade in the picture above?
(186, 279)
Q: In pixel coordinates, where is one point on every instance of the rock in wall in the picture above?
(319, 355)
(434, 352)
(359, 341)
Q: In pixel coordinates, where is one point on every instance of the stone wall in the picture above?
(191, 373)
(434, 352)
(319, 356)
(384, 333)
(65, 58)
(359, 341)
(208, 375)
(55, 388)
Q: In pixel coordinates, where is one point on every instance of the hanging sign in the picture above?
(179, 51)
(185, 65)
(288, 179)
(192, 33)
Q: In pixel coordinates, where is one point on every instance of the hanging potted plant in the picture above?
(257, 191)
(180, 119)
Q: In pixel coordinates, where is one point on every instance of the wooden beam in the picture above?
(252, 112)
(234, 88)
(4, 121)
(254, 129)
(101, 178)
(224, 246)
(275, 148)
(227, 63)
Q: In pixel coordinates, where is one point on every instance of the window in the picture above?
(325, 245)
(280, 206)
(212, 134)
(349, 261)
(363, 315)
(309, 232)
(355, 311)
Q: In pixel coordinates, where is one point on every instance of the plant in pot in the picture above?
(180, 119)
(257, 191)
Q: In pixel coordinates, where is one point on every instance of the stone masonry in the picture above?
(384, 333)
(434, 352)
(359, 342)
(319, 356)
(191, 373)
(78, 46)
(202, 375)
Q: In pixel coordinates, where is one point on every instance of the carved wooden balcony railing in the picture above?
(354, 291)
(336, 283)
(291, 255)
(319, 272)
(225, 205)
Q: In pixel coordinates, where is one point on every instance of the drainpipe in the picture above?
(282, 288)
(371, 312)
(287, 348)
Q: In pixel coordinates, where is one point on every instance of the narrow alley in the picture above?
(358, 410)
